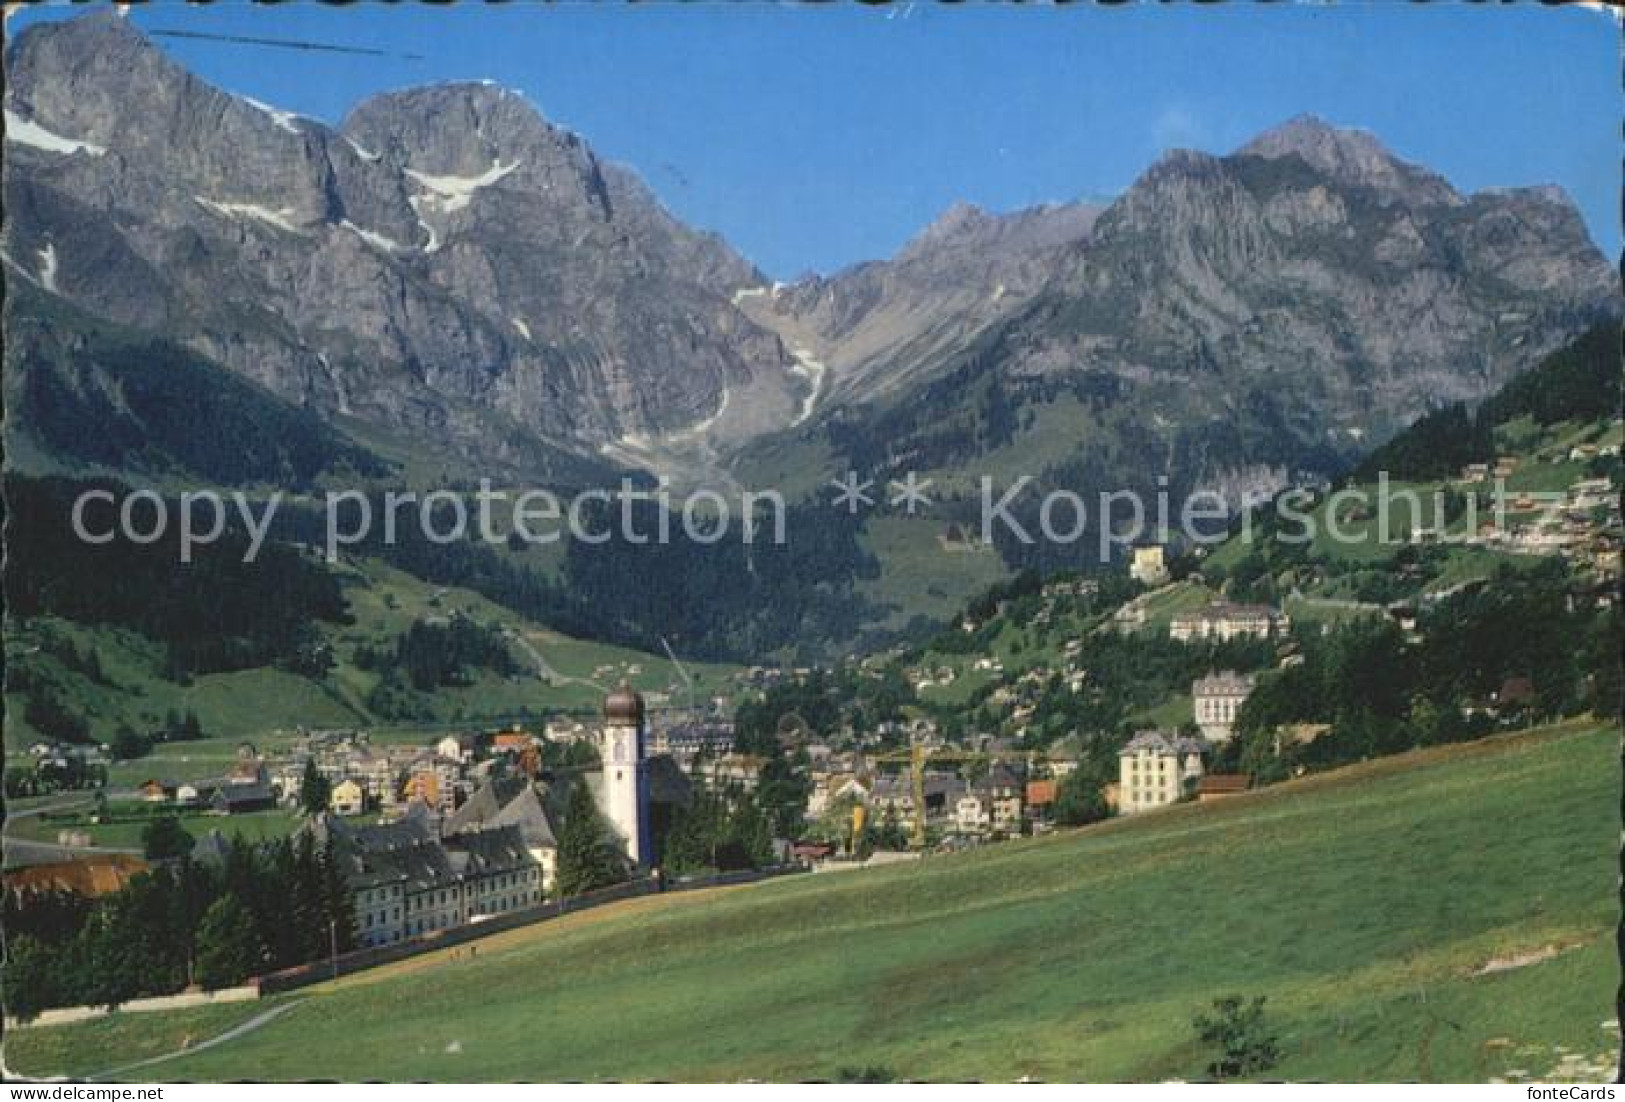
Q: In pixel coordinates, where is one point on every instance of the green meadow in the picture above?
(1440, 915)
(267, 704)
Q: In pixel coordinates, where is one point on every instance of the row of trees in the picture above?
(221, 611)
(431, 655)
(588, 860)
(71, 773)
(129, 744)
(722, 830)
(711, 600)
(263, 908)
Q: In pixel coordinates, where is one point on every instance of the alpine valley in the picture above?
(445, 286)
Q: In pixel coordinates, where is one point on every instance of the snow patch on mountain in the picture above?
(434, 238)
(47, 268)
(452, 193)
(376, 240)
(813, 371)
(285, 120)
(281, 219)
(30, 133)
(361, 151)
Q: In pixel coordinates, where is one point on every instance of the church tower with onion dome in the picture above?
(624, 800)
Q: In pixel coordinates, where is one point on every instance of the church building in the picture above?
(624, 797)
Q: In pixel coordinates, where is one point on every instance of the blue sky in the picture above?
(814, 137)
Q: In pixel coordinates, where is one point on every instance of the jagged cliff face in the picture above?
(876, 329)
(1279, 308)
(445, 261)
(448, 267)
(1313, 258)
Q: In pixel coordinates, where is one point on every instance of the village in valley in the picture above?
(978, 737)
(533, 553)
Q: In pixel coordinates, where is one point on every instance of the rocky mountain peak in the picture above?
(1349, 155)
(450, 266)
(79, 73)
(448, 260)
(960, 218)
(968, 226)
(1317, 141)
(452, 129)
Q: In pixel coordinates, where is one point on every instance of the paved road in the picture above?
(26, 851)
(228, 1036)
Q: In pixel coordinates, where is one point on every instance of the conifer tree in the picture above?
(228, 947)
(586, 860)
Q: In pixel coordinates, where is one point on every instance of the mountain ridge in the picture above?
(1238, 318)
(339, 277)
(447, 264)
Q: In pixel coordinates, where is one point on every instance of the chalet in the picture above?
(812, 852)
(241, 799)
(1149, 566)
(1515, 692)
(250, 772)
(515, 741)
(457, 748)
(1217, 786)
(831, 789)
(1040, 798)
(348, 798)
(1130, 617)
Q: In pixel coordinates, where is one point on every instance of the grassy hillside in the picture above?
(1366, 904)
(266, 704)
(1325, 581)
(919, 576)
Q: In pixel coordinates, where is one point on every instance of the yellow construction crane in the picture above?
(916, 757)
